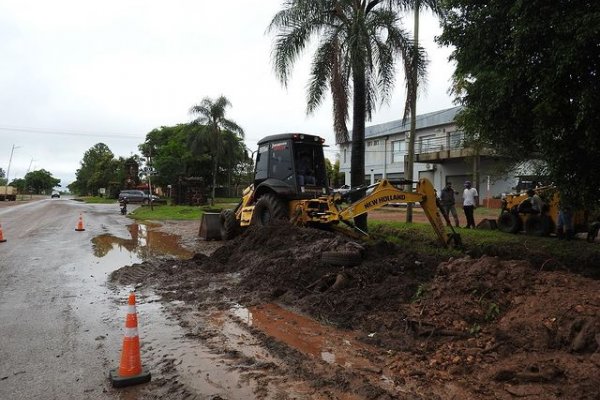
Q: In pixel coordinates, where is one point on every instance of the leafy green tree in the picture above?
(171, 157)
(211, 114)
(528, 74)
(234, 160)
(40, 181)
(98, 168)
(20, 184)
(358, 43)
(334, 176)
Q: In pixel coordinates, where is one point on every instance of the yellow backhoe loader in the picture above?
(290, 183)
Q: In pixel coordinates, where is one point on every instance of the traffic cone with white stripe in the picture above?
(130, 371)
(2, 240)
(80, 224)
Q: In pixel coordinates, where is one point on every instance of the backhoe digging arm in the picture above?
(385, 193)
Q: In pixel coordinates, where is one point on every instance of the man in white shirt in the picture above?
(470, 202)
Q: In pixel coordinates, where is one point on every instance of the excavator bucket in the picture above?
(210, 226)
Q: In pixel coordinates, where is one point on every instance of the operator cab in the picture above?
(293, 165)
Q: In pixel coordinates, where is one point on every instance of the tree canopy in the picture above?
(171, 156)
(40, 181)
(99, 169)
(220, 135)
(528, 75)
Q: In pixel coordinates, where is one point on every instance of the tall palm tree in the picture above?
(211, 114)
(358, 43)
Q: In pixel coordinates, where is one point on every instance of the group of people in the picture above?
(534, 203)
(470, 201)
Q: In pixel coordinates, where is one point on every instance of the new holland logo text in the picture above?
(384, 200)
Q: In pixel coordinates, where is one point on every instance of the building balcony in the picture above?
(440, 149)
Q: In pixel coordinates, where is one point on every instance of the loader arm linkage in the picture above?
(385, 193)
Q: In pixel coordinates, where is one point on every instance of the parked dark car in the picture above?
(137, 196)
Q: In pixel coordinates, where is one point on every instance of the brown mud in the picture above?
(398, 325)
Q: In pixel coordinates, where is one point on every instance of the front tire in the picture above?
(269, 208)
(229, 225)
(537, 225)
(509, 222)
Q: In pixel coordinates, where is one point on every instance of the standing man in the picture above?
(564, 225)
(448, 203)
(536, 201)
(470, 201)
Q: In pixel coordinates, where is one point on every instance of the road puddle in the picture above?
(304, 334)
(144, 243)
(181, 361)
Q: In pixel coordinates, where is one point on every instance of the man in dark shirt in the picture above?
(448, 202)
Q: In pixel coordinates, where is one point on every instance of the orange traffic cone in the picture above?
(2, 240)
(130, 371)
(80, 224)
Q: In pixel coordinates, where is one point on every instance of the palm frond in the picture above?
(320, 74)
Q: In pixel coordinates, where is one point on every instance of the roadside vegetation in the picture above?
(95, 200)
(163, 212)
(544, 253)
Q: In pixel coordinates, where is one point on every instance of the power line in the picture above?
(113, 135)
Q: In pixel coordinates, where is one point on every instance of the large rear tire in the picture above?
(509, 222)
(538, 225)
(269, 208)
(230, 227)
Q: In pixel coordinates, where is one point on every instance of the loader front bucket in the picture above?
(210, 226)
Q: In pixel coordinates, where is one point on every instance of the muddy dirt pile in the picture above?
(465, 328)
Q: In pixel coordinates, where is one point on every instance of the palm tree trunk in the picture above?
(214, 181)
(357, 173)
(413, 118)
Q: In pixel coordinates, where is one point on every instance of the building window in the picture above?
(398, 151)
(394, 178)
(345, 155)
(375, 142)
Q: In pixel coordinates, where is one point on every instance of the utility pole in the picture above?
(8, 171)
(149, 179)
(29, 168)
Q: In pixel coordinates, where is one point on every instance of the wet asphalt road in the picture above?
(60, 325)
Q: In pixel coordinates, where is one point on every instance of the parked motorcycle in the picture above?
(123, 204)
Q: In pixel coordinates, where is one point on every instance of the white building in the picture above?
(440, 156)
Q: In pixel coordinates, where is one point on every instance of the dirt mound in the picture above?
(526, 308)
(502, 328)
(466, 292)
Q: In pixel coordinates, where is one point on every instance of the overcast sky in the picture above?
(74, 73)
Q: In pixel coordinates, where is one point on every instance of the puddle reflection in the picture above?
(304, 334)
(143, 244)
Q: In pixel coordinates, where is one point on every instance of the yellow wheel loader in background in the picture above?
(516, 214)
(290, 183)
